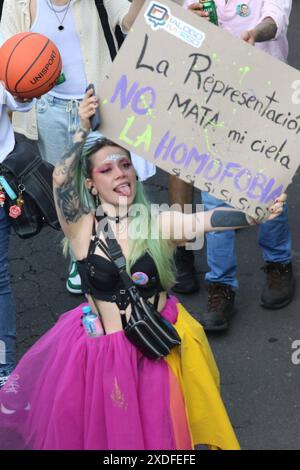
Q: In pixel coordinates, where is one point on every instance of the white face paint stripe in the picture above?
(114, 157)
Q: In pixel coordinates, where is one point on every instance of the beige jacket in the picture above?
(95, 53)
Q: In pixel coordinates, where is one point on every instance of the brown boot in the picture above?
(220, 307)
(279, 287)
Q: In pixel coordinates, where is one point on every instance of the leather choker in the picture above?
(117, 219)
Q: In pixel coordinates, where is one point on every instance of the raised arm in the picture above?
(70, 209)
(133, 11)
(65, 193)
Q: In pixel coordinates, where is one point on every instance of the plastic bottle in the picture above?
(91, 322)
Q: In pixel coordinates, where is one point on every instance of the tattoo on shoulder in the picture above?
(69, 203)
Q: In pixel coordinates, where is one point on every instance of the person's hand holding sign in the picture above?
(249, 37)
(197, 8)
(277, 208)
(264, 31)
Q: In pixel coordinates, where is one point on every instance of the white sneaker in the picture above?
(3, 379)
(74, 281)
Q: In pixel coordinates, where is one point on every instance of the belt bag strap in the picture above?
(152, 334)
(116, 255)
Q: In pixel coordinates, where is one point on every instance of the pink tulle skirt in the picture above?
(70, 391)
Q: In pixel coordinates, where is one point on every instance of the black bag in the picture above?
(152, 334)
(30, 176)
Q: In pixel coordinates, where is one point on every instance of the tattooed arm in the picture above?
(65, 193)
(264, 31)
(71, 212)
(74, 219)
(180, 227)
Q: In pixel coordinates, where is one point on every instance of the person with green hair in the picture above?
(81, 392)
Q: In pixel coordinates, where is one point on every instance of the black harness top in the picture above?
(100, 276)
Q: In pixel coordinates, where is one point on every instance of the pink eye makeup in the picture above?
(102, 169)
(123, 162)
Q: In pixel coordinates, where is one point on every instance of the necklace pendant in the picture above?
(61, 27)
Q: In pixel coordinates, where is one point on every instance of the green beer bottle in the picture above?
(210, 7)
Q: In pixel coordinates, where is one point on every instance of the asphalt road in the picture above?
(260, 384)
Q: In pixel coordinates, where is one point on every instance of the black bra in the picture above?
(100, 276)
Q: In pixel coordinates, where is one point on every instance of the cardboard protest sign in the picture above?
(204, 106)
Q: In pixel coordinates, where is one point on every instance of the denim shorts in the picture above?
(57, 122)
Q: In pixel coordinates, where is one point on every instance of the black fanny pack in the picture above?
(30, 178)
(152, 334)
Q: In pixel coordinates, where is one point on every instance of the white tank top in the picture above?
(67, 42)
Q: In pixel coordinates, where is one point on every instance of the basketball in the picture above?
(30, 64)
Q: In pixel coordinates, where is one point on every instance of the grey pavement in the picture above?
(260, 385)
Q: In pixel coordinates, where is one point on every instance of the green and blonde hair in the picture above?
(143, 222)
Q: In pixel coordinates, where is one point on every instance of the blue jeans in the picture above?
(274, 239)
(57, 122)
(7, 305)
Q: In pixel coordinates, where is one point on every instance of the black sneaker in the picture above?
(279, 287)
(220, 307)
(186, 277)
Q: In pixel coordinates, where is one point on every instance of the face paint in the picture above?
(106, 166)
(115, 157)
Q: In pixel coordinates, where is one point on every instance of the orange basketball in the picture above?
(30, 64)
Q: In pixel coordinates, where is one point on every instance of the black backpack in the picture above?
(26, 172)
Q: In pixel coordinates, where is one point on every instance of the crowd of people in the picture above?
(108, 395)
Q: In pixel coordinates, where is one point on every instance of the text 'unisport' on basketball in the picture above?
(30, 64)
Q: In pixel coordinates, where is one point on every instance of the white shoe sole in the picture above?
(73, 291)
